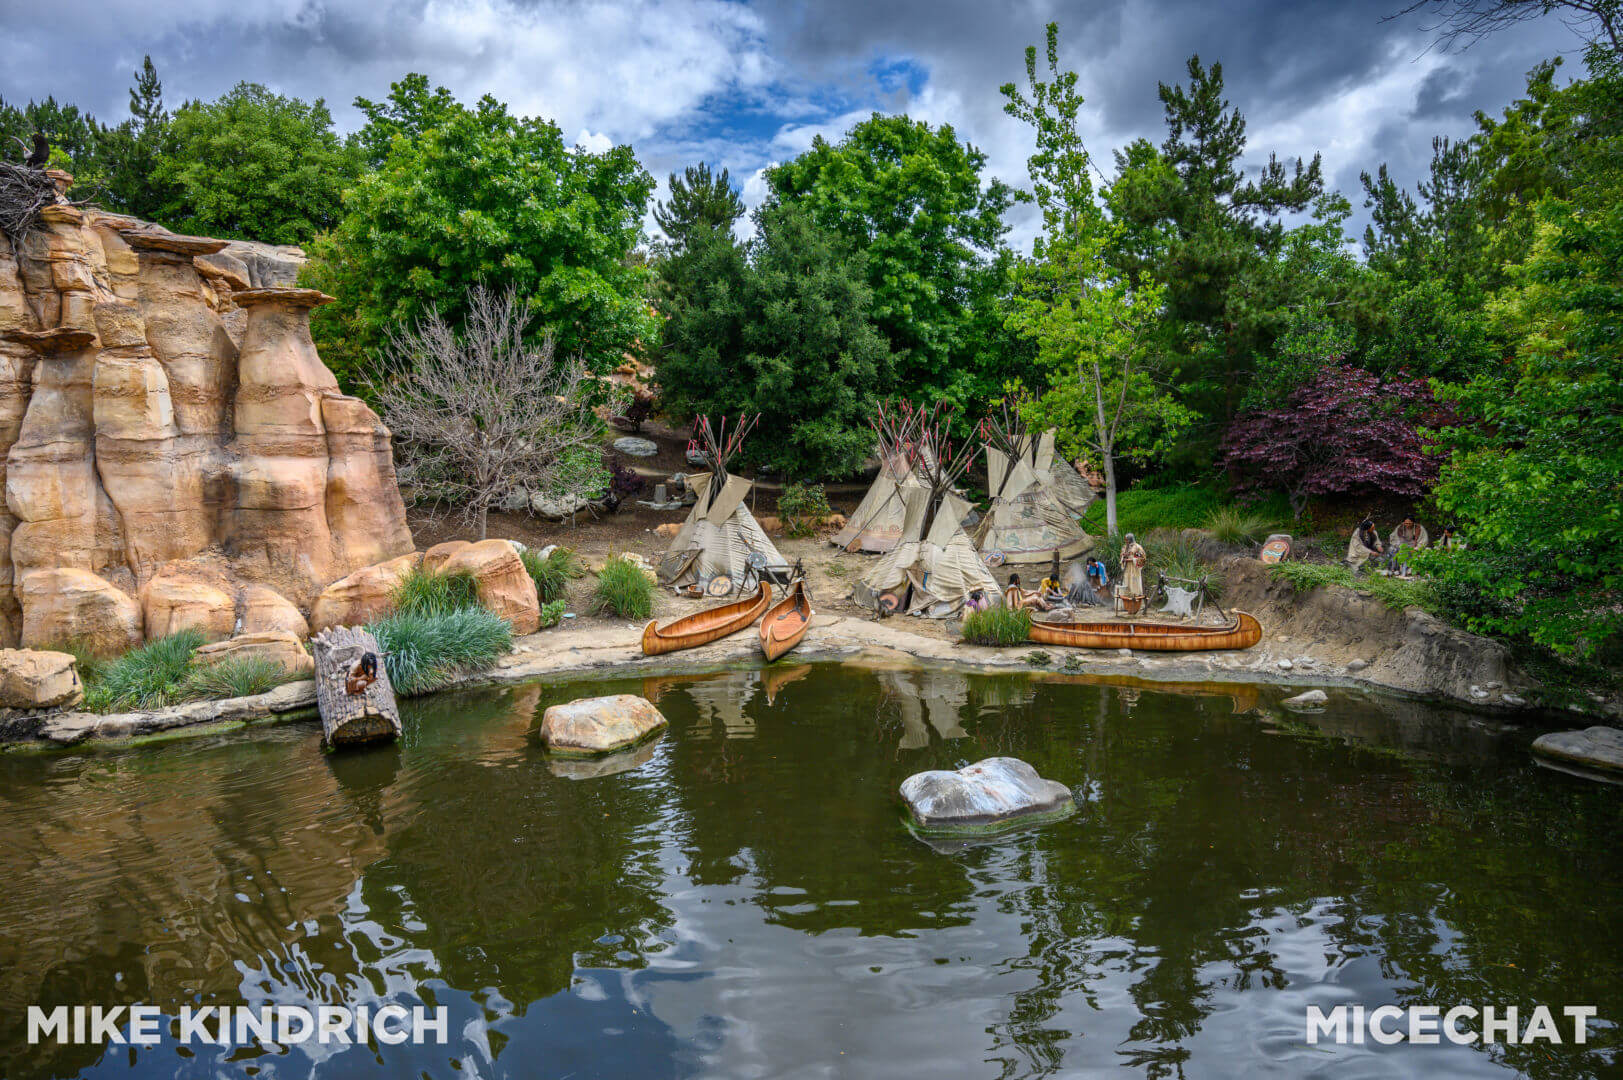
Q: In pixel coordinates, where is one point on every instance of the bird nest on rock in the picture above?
(24, 192)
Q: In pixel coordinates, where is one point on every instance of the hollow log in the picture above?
(353, 692)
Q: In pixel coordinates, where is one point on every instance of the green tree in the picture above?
(912, 200)
(780, 328)
(1092, 324)
(700, 199)
(77, 138)
(254, 165)
(134, 148)
(483, 196)
(411, 108)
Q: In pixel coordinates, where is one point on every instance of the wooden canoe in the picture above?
(1244, 632)
(704, 627)
(785, 623)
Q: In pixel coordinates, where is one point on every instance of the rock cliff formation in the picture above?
(176, 454)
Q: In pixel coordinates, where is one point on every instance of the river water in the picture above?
(742, 898)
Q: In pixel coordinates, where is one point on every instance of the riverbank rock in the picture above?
(1312, 699)
(505, 587)
(38, 679)
(75, 605)
(356, 599)
(600, 725)
(277, 645)
(172, 604)
(1597, 748)
(992, 794)
(264, 610)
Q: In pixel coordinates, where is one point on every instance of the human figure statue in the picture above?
(1450, 539)
(1017, 598)
(1132, 567)
(977, 601)
(1408, 536)
(1364, 545)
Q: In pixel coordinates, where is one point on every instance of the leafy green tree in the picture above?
(912, 200)
(780, 328)
(700, 199)
(254, 165)
(133, 149)
(76, 137)
(1091, 323)
(483, 196)
(1193, 223)
(411, 108)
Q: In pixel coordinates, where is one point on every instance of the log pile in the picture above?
(353, 692)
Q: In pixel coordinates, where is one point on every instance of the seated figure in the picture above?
(1016, 597)
(1364, 545)
(1408, 536)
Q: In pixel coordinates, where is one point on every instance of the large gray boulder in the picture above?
(989, 796)
(1597, 748)
(601, 725)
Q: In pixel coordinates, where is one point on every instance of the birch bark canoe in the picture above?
(785, 622)
(370, 713)
(1242, 633)
(703, 627)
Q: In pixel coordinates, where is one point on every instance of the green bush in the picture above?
(1393, 592)
(1174, 555)
(1141, 509)
(802, 507)
(1236, 525)
(424, 652)
(553, 573)
(623, 590)
(237, 676)
(999, 626)
(552, 613)
(425, 592)
(148, 677)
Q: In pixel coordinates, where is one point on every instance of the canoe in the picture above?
(1244, 632)
(704, 627)
(785, 624)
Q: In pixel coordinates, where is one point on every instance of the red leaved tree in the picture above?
(1345, 431)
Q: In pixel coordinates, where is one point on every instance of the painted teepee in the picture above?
(713, 547)
(875, 526)
(1036, 498)
(934, 566)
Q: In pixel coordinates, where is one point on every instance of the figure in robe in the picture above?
(1132, 567)
(1364, 545)
(1409, 535)
(1016, 597)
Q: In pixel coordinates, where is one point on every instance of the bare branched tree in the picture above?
(1459, 24)
(482, 411)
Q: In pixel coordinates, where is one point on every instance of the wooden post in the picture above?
(353, 692)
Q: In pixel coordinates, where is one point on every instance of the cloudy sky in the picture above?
(744, 84)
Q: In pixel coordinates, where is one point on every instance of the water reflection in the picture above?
(738, 897)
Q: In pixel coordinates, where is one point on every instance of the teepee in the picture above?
(713, 547)
(934, 566)
(1036, 500)
(875, 526)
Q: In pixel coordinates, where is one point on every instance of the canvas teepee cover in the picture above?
(875, 526)
(933, 572)
(718, 535)
(1034, 510)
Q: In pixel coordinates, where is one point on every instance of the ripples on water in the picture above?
(741, 899)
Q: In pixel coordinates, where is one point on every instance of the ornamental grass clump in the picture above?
(425, 652)
(236, 676)
(148, 677)
(551, 573)
(997, 626)
(1236, 525)
(623, 590)
(427, 592)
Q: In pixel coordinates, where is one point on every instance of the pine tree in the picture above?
(700, 199)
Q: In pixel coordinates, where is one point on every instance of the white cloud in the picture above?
(593, 143)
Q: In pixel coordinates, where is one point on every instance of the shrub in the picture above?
(552, 613)
(237, 676)
(1235, 525)
(1393, 592)
(424, 592)
(552, 573)
(802, 507)
(999, 626)
(623, 590)
(623, 480)
(424, 652)
(148, 677)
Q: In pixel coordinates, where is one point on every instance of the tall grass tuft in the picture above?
(1393, 592)
(236, 676)
(425, 592)
(623, 590)
(424, 652)
(998, 626)
(148, 677)
(553, 573)
(1236, 525)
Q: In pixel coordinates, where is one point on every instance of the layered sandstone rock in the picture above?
(358, 598)
(275, 645)
(31, 679)
(505, 587)
(164, 418)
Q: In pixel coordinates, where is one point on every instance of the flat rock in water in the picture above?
(632, 446)
(992, 794)
(600, 725)
(1312, 699)
(1599, 748)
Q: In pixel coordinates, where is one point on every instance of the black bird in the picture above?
(41, 154)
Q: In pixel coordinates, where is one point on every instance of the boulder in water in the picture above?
(1598, 748)
(1312, 699)
(601, 725)
(989, 796)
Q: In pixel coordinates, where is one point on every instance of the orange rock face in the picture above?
(175, 452)
(504, 585)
